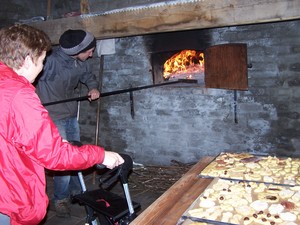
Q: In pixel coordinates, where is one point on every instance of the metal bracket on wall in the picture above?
(131, 104)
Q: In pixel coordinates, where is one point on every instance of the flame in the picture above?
(184, 62)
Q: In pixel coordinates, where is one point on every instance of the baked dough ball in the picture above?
(275, 209)
(259, 205)
(288, 216)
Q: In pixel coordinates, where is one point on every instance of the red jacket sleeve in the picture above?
(39, 139)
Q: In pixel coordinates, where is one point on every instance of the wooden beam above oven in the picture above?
(171, 16)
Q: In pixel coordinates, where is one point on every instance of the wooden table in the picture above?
(169, 207)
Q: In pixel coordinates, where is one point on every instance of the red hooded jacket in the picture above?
(30, 142)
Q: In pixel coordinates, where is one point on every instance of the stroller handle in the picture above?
(123, 169)
(126, 166)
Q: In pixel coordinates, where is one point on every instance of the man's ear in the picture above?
(27, 62)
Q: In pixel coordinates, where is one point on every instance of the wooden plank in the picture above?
(49, 9)
(169, 207)
(167, 17)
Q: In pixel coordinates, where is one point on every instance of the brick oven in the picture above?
(221, 66)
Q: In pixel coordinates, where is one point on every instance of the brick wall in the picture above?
(187, 123)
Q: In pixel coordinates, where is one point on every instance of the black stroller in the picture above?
(104, 207)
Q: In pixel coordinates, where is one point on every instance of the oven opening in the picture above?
(178, 65)
(225, 66)
(186, 64)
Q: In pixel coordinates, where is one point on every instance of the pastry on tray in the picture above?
(243, 202)
(246, 166)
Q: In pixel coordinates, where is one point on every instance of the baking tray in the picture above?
(269, 173)
(244, 193)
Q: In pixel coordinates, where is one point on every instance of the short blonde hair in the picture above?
(19, 41)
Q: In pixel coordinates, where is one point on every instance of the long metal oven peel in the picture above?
(122, 91)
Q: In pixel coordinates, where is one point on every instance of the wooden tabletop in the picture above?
(170, 206)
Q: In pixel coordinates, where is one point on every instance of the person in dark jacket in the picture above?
(29, 140)
(64, 69)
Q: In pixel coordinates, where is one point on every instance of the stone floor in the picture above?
(78, 214)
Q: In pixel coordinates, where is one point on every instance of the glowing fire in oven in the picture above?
(187, 64)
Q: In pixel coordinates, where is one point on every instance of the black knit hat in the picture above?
(73, 42)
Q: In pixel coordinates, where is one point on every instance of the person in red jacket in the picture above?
(29, 140)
